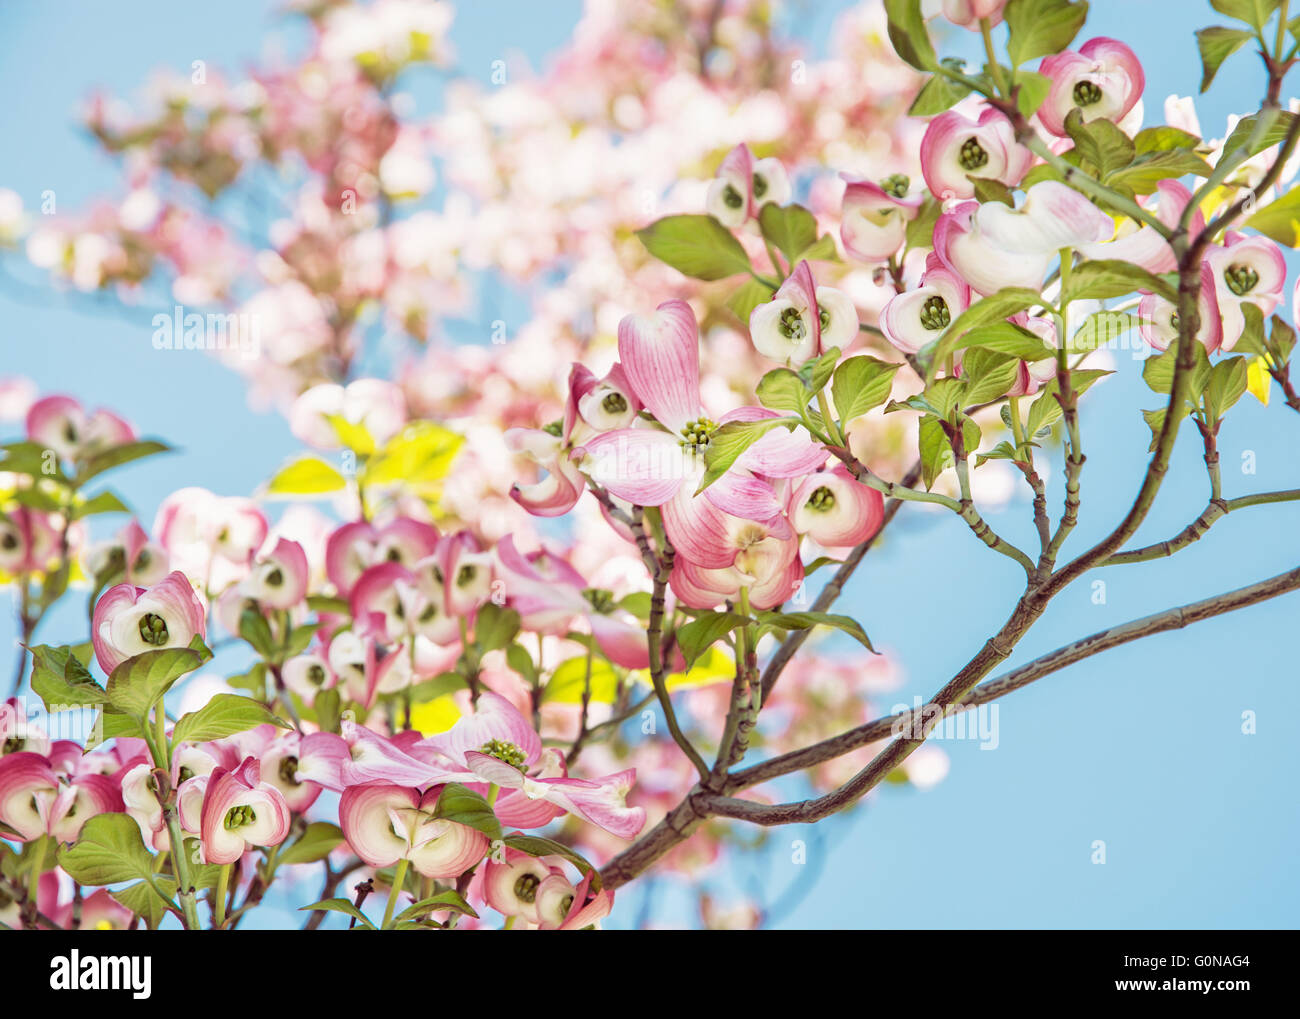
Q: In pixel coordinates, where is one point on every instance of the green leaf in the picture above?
(325, 603)
(1281, 340)
(150, 903)
(319, 840)
(792, 228)
(989, 190)
(1032, 89)
(934, 448)
(697, 246)
(1155, 420)
(1280, 219)
(939, 93)
(1244, 131)
(569, 679)
(908, 34)
(351, 434)
(945, 395)
(419, 456)
(1217, 44)
(821, 370)
(1046, 410)
(103, 502)
(807, 620)
(747, 297)
(224, 715)
(108, 850)
(61, 681)
(861, 384)
(994, 308)
(1100, 279)
(1002, 451)
(254, 629)
(1100, 142)
(110, 724)
(1146, 172)
(464, 806)
(339, 906)
(920, 231)
(449, 682)
(1040, 27)
(1253, 12)
(988, 374)
(1163, 139)
(448, 900)
(308, 475)
(783, 389)
(728, 442)
(704, 631)
(495, 627)
(1158, 372)
(118, 455)
(1007, 338)
(536, 845)
(1101, 329)
(140, 682)
(1226, 386)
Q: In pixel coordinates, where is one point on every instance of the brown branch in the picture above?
(1045, 665)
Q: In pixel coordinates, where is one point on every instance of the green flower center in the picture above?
(760, 186)
(792, 325)
(465, 575)
(972, 155)
(822, 499)
(526, 888)
(555, 428)
(599, 599)
(9, 541)
(1241, 279)
(429, 613)
(896, 184)
(185, 774)
(504, 751)
(315, 675)
(237, 817)
(275, 578)
(614, 403)
(695, 434)
(935, 314)
(732, 198)
(289, 771)
(1086, 93)
(13, 744)
(394, 555)
(153, 629)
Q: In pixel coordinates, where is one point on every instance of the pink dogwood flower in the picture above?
(129, 620)
(758, 557)
(278, 580)
(1143, 245)
(131, 555)
(967, 13)
(913, 320)
(384, 823)
(354, 547)
(874, 217)
(956, 148)
(499, 746)
(802, 320)
(992, 246)
(1158, 317)
(60, 423)
(652, 467)
(28, 541)
(35, 801)
(1104, 79)
(1246, 269)
(834, 509)
(744, 185)
(241, 812)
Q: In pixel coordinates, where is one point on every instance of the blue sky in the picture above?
(1140, 747)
